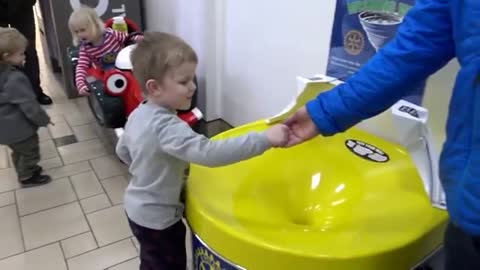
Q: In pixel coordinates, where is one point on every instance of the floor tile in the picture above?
(115, 188)
(61, 128)
(7, 198)
(65, 140)
(108, 166)
(86, 184)
(136, 243)
(82, 151)
(8, 180)
(95, 203)
(105, 257)
(51, 163)
(53, 225)
(4, 160)
(10, 234)
(83, 118)
(128, 265)
(78, 245)
(31, 200)
(43, 134)
(85, 132)
(69, 170)
(48, 257)
(109, 225)
(48, 150)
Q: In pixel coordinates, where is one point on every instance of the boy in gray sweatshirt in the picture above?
(158, 146)
(20, 113)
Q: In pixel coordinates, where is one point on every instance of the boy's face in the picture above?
(177, 88)
(16, 58)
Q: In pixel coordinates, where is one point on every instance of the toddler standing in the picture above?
(158, 146)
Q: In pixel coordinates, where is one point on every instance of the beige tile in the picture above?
(43, 134)
(10, 235)
(6, 198)
(61, 128)
(45, 258)
(95, 203)
(8, 180)
(31, 200)
(4, 160)
(53, 225)
(115, 188)
(136, 243)
(128, 265)
(82, 151)
(51, 163)
(109, 225)
(105, 257)
(78, 245)
(78, 119)
(69, 170)
(85, 132)
(48, 150)
(108, 166)
(86, 184)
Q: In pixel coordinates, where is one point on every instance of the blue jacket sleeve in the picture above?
(423, 45)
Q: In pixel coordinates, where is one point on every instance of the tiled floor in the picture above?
(77, 221)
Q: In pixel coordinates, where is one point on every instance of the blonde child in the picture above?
(98, 45)
(158, 146)
(20, 113)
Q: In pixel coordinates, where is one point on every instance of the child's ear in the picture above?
(153, 87)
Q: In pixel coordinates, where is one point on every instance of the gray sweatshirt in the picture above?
(20, 112)
(158, 146)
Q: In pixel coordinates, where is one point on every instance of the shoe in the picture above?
(44, 99)
(38, 170)
(36, 180)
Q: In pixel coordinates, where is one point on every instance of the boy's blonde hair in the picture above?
(11, 41)
(88, 17)
(158, 53)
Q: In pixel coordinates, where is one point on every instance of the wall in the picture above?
(268, 43)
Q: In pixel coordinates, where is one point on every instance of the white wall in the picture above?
(268, 43)
(191, 20)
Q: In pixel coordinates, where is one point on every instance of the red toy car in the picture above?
(115, 93)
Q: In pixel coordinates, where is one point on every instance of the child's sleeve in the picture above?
(83, 64)
(122, 150)
(176, 138)
(21, 93)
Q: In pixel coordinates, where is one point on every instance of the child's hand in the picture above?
(84, 91)
(278, 135)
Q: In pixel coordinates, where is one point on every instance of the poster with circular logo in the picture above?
(206, 259)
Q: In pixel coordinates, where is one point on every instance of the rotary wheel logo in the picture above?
(205, 261)
(354, 42)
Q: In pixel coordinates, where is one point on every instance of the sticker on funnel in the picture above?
(206, 259)
(360, 29)
(366, 151)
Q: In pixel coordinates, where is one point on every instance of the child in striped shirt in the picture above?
(98, 45)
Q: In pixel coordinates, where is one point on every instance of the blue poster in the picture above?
(360, 29)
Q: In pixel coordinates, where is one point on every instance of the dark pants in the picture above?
(26, 25)
(161, 249)
(462, 251)
(25, 157)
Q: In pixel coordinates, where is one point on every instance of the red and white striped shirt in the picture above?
(103, 54)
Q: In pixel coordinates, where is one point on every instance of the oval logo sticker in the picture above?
(366, 151)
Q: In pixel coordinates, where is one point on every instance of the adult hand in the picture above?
(302, 127)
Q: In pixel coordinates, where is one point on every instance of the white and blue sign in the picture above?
(205, 259)
(360, 28)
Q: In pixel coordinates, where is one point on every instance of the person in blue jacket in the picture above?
(433, 33)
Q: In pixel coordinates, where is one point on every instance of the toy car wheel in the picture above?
(107, 110)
